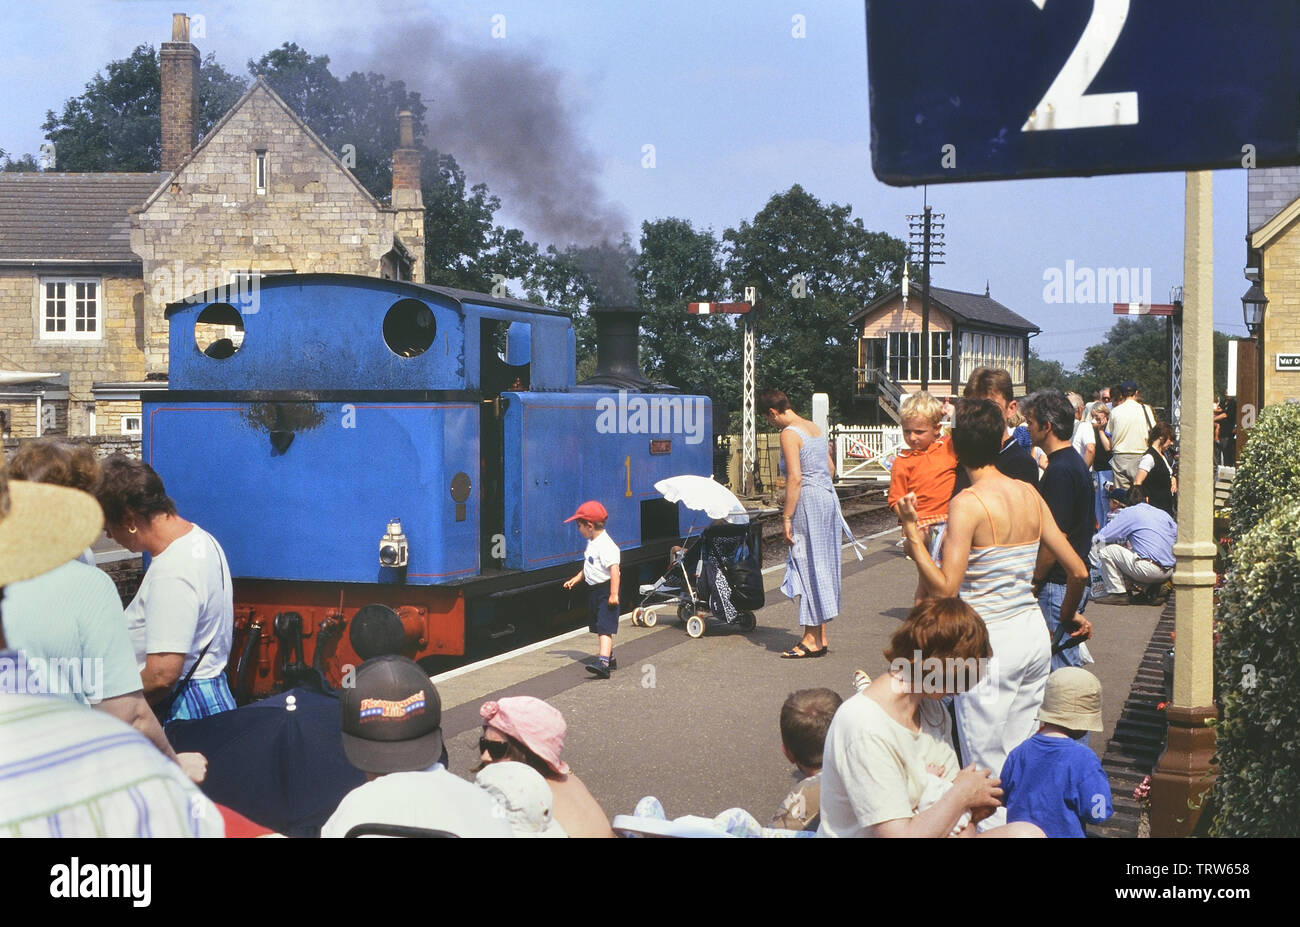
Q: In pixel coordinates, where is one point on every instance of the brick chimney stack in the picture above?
(180, 94)
(408, 203)
(406, 166)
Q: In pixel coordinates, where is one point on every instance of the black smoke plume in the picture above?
(501, 112)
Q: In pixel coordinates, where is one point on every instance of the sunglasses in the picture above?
(496, 749)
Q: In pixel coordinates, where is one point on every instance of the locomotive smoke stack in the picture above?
(618, 347)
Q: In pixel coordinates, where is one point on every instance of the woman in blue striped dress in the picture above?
(811, 521)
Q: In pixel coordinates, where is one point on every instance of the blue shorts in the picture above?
(201, 698)
(602, 618)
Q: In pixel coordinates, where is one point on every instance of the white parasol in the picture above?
(703, 494)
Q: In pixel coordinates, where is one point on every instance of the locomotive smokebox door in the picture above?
(460, 489)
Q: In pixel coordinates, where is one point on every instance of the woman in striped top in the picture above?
(1001, 535)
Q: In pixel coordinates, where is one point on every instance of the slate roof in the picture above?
(974, 307)
(70, 217)
(971, 308)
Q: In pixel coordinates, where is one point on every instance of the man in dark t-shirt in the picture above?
(1067, 487)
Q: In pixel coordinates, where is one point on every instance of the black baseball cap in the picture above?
(392, 717)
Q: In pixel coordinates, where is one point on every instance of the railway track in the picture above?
(863, 506)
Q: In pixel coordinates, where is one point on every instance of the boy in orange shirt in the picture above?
(928, 468)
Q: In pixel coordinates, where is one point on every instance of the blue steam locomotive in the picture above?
(390, 464)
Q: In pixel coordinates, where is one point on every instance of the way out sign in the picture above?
(995, 89)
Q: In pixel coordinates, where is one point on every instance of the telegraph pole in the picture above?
(925, 248)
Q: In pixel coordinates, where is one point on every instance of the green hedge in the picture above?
(1257, 667)
(1268, 472)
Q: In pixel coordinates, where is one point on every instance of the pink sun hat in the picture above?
(533, 723)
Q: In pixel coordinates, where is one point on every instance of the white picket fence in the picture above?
(866, 453)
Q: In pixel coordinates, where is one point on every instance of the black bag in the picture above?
(746, 582)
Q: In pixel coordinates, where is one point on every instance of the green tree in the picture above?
(116, 124)
(1134, 349)
(466, 248)
(219, 90)
(305, 83)
(698, 354)
(24, 163)
(1138, 349)
(813, 265)
(368, 105)
(578, 277)
(1050, 374)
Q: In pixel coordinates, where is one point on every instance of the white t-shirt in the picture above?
(432, 798)
(602, 553)
(1148, 463)
(874, 769)
(185, 599)
(1084, 434)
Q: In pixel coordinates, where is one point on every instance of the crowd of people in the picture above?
(1001, 542)
(1003, 518)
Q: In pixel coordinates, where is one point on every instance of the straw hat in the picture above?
(1072, 700)
(42, 527)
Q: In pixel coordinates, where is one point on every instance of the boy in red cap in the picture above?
(600, 570)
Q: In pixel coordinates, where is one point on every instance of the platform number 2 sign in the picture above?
(1066, 105)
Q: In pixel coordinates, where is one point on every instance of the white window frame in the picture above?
(138, 430)
(940, 359)
(903, 357)
(261, 172)
(70, 300)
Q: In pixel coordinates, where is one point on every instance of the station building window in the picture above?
(70, 309)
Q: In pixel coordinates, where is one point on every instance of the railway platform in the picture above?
(694, 722)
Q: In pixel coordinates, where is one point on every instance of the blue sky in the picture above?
(736, 107)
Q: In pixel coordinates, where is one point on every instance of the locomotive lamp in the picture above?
(393, 547)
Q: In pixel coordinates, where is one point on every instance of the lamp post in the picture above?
(1252, 307)
(1251, 397)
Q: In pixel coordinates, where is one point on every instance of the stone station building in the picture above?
(88, 262)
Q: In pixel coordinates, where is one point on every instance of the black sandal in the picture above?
(800, 652)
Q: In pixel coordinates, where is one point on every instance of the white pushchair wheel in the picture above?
(648, 618)
(695, 626)
(636, 617)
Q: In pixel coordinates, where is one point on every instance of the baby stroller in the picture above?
(717, 574)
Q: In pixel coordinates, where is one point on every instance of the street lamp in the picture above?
(1252, 307)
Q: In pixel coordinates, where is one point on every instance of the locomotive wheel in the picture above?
(695, 626)
(685, 613)
(649, 618)
(747, 621)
